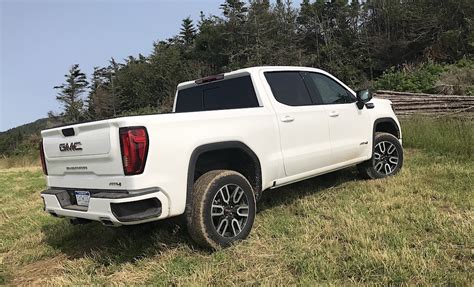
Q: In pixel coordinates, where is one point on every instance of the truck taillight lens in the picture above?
(43, 160)
(134, 147)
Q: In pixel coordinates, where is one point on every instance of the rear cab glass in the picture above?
(233, 93)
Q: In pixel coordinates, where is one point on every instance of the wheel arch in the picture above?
(217, 146)
(388, 125)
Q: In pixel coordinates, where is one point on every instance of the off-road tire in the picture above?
(368, 169)
(201, 225)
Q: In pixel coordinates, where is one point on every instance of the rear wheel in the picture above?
(387, 157)
(223, 209)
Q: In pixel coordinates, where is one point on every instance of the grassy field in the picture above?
(414, 228)
(20, 161)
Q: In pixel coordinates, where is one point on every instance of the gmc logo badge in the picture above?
(70, 146)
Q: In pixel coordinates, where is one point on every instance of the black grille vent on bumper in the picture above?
(136, 210)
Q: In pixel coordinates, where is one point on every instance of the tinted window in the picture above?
(288, 88)
(329, 90)
(233, 93)
(189, 100)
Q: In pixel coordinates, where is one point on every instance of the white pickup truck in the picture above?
(229, 138)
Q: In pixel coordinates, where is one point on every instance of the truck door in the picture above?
(349, 128)
(304, 131)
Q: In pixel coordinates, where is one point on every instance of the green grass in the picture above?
(414, 228)
(449, 136)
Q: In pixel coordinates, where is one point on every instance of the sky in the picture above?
(41, 39)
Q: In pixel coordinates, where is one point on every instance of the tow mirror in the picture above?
(363, 96)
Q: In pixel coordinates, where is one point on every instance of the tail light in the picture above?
(134, 147)
(43, 160)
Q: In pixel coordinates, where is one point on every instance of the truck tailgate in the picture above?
(89, 148)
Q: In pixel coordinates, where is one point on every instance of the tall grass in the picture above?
(450, 136)
(19, 161)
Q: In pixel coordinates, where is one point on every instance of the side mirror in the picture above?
(363, 96)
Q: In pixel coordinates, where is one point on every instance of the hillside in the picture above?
(19, 140)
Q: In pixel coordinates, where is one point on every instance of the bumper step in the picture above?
(111, 207)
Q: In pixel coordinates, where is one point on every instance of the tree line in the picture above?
(354, 40)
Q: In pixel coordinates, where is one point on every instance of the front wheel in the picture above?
(223, 209)
(387, 157)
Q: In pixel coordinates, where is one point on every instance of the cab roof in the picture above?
(249, 70)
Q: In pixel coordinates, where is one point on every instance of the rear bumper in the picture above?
(111, 207)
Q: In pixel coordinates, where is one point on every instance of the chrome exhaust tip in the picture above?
(106, 221)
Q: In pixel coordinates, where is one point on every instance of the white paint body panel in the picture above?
(314, 143)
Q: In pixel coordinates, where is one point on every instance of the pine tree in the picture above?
(235, 11)
(285, 35)
(235, 33)
(261, 24)
(70, 94)
(188, 32)
(100, 103)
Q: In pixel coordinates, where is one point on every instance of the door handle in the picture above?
(287, 119)
(333, 114)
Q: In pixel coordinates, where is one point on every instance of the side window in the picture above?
(329, 90)
(288, 88)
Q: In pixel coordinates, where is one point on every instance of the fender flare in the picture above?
(386, 120)
(218, 146)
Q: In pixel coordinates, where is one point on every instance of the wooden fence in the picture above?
(407, 104)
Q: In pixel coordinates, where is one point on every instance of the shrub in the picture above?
(455, 79)
(458, 79)
(410, 78)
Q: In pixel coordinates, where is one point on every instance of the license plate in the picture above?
(82, 198)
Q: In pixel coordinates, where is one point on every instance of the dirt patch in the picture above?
(37, 273)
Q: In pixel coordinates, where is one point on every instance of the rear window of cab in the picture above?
(234, 93)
